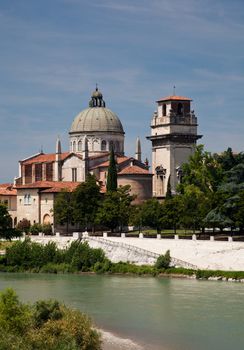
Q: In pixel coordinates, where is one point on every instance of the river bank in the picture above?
(111, 341)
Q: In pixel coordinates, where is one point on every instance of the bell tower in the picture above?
(173, 137)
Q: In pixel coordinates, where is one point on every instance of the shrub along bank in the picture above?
(44, 325)
(27, 256)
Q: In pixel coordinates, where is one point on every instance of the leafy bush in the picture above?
(57, 268)
(27, 255)
(14, 315)
(163, 261)
(45, 325)
(35, 229)
(83, 258)
(46, 310)
(47, 229)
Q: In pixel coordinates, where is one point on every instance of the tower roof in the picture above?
(174, 98)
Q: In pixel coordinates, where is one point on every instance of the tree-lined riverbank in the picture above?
(27, 256)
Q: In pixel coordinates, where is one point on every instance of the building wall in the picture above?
(161, 158)
(73, 162)
(46, 209)
(141, 186)
(30, 209)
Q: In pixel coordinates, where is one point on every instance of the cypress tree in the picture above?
(168, 193)
(112, 173)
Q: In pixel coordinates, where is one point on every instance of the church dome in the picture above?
(96, 118)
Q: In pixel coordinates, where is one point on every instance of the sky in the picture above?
(53, 52)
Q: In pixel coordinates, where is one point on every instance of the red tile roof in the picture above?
(7, 190)
(45, 158)
(99, 155)
(119, 160)
(134, 169)
(70, 186)
(175, 98)
(50, 184)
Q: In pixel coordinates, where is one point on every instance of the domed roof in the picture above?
(96, 119)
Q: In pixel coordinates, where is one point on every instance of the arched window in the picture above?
(74, 146)
(164, 109)
(180, 108)
(103, 145)
(71, 146)
(80, 146)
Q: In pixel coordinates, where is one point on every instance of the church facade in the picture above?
(93, 133)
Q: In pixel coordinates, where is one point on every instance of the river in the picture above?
(157, 313)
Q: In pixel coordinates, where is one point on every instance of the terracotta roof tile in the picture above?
(45, 158)
(59, 186)
(49, 184)
(175, 98)
(134, 169)
(6, 185)
(7, 190)
(99, 155)
(119, 160)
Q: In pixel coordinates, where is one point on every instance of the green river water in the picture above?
(158, 313)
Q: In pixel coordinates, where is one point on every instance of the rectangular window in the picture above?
(164, 109)
(28, 173)
(38, 172)
(74, 174)
(49, 171)
(27, 199)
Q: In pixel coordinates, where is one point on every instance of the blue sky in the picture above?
(53, 52)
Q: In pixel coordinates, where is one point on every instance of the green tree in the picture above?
(202, 170)
(6, 230)
(152, 212)
(239, 215)
(112, 183)
(115, 209)
(87, 198)
(63, 208)
(172, 212)
(163, 261)
(196, 206)
(136, 216)
(227, 160)
(169, 192)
